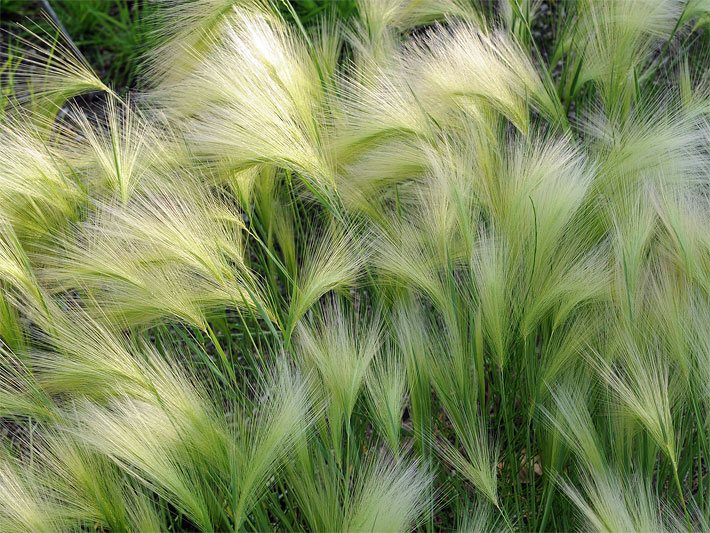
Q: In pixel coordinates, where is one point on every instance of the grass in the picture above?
(113, 35)
(364, 266)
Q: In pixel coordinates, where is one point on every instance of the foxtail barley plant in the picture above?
(433, 265)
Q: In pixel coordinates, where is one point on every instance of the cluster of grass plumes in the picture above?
(412, 269)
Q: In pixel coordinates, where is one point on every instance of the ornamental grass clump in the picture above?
(415, 268)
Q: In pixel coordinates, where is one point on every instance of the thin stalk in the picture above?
(220, 351)
(681, 494)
